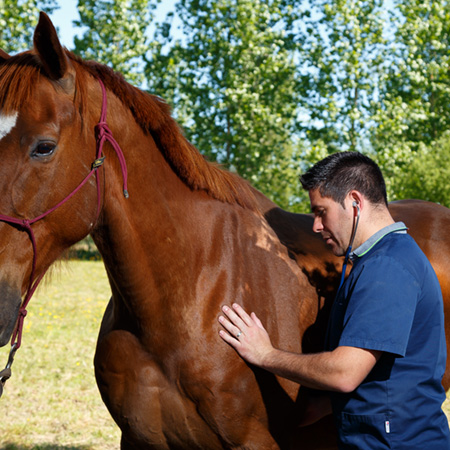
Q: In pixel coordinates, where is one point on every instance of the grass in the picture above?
(51, 401)
(446, 406)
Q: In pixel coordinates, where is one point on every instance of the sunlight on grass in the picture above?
(446, 406)
(52, 401)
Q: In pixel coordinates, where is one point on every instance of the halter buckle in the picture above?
(98, 163)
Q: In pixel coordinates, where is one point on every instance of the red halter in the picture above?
(103, 133)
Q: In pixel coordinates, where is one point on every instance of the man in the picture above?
(385, 345)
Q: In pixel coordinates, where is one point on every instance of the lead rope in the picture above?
(103, 134)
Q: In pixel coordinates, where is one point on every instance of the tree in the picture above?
(232, 82)
(417, 91)
(427, 174)
(415, 98)
(343, 50)
(116, 34)
(18, 20)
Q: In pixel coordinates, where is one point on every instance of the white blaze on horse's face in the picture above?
(7, 123)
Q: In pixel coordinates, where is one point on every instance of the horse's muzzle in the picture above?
(10, 301)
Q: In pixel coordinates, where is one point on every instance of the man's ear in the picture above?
(356, 199)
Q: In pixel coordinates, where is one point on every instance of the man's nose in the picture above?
(317, 225)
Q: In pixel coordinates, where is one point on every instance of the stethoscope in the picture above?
(352, 238)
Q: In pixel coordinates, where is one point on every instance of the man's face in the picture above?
(332, 221)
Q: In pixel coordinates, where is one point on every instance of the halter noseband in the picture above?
(103, 134)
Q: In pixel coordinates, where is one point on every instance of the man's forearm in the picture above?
(316, 371)
(341, 370)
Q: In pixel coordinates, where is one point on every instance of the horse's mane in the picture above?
(154, 116)
(21, 72)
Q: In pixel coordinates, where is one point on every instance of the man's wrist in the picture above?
(269, 359)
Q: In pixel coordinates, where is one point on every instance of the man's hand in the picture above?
(246, 334)
(342, 369)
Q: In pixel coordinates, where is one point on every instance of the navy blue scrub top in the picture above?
(392, 302)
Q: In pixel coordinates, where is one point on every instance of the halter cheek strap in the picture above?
(103, 134)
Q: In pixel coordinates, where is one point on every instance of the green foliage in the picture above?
(377, 81)
(342, 49)
(417, 90)
(414, 110)
(427, 175)
(232, 81)
(115, 34)
(17, 21)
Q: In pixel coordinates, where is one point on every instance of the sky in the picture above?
(62, 19)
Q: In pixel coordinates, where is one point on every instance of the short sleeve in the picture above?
(381, 307)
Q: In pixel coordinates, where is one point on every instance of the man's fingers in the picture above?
(240, 311)
(230, 327)
(255, 319)
(234, 317)
(228, 338)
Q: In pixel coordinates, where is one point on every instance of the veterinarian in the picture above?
(385, 349)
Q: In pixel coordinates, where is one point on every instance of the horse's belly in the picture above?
(149, 410)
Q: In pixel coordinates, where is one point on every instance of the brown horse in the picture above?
(189, 238)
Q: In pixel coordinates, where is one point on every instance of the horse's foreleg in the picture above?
(145, 403)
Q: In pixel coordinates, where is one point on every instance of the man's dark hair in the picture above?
(336, 175)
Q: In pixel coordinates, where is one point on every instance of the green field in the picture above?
(52, 402)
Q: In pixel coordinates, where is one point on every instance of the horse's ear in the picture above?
(51, 53)
(3, 56)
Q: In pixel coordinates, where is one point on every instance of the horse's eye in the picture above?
(43, 149)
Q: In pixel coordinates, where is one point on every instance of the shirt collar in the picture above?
(397, 227)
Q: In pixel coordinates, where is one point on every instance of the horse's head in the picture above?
(45, 153)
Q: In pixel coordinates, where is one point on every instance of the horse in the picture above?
(84, 152)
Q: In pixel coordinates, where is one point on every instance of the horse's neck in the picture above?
(148, 241)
